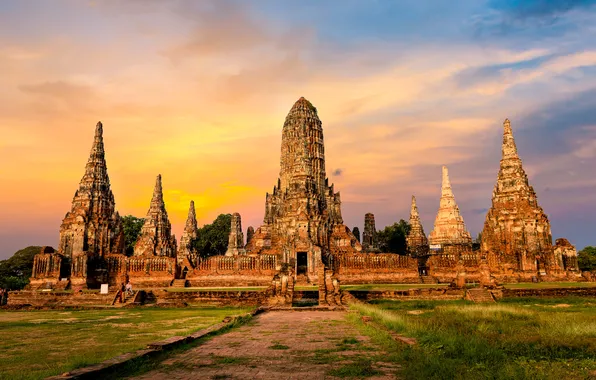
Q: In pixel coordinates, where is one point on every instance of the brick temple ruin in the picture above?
(303, 238)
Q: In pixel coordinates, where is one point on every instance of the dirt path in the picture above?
(282, 345)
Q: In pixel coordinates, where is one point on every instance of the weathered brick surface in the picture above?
(156, 234)
(516, 237)
(303, 213)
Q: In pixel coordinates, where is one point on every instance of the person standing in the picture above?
(122, 290)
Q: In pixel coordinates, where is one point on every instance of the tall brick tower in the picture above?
(303, 222)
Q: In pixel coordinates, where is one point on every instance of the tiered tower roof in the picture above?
(449, 228)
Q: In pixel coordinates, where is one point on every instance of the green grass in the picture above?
(362, 367)
(391, 286)
(220, 289)
(543, 285)
(529, 338)
(37, 344)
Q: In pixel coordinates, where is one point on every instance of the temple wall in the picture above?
(210, 297)
(143, 272)
(375, 268)
(234, 271)
(60, 298)
(443, 266)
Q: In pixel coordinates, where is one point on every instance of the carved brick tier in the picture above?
(516, 235)
(303, 221)
(189, 234)
(156, 234)
(236, 238)
(92, 225)
(449, 228)
(369, 235)
(416, 240)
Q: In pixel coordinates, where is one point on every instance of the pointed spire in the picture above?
(100, 229)
(191, 220)
(449, 224)
(157, 197)
(303, 106)
(156, 234)
(416, 237)
(189, 234)
(413, 209)
(97, 155)
(446, 185)
(509, 150)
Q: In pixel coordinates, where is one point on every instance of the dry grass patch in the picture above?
(87, 337)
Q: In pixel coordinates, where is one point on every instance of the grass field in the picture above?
(382, 287)
(543, 285)
(37, 344)
(520, 338)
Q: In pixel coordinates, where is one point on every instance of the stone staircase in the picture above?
(179, 283)
(479, 295)
(62, 285)
(428, 280)
(128, 298)
(302, 279)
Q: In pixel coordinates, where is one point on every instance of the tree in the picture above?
(212, 239)
(15, 271)
(356, 232)
(132, 229)
(393, 238)
(586, 259)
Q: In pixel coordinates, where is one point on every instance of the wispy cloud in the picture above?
(198, 92)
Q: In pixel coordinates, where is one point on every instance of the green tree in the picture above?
(15, 271)
(132, 229)
(212, 239)
(393, 238)
(356, 232)
(586, 259)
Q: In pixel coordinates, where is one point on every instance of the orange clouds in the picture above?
(200, 96)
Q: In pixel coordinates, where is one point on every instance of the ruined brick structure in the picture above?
(516, 237)
(250, 232)
(566, 255)
(89, 231)
(303, 235)
(236, 238)
(156, 234)
(450, 229)
(416, 240)
(92, 225)
(450, 242)
(189, 234)
(303, 222)
(369, 236)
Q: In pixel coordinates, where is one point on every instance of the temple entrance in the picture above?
(301, 263)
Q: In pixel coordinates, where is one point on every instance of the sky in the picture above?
(198, 92)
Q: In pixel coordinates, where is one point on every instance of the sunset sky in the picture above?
(198, 91)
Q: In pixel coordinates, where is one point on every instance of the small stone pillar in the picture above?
(236, 239)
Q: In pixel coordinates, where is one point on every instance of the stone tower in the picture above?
(156, 234)
(236, 238)
(416, 239)
(303, 221)
(449, 229)
(516, 232)
(369, 235)
(93, 225)
(188, 235)
(250, 232)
